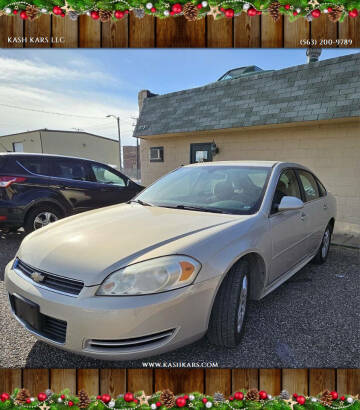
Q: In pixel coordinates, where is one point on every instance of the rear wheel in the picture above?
(41, 216)
(323, 251)
(228, 314)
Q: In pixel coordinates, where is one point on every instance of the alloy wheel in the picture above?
(242, 303)
(44, 219)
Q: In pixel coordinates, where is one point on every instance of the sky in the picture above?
(87, 85)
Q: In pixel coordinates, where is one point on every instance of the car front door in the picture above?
(113, 186)
(315, 210)
(287, 228)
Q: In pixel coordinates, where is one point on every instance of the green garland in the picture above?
(106, 10)
(246, 400)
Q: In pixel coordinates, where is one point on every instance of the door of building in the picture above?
(200, 152)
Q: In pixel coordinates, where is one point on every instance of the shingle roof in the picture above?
(318, 91)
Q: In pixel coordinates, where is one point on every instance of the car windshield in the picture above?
(225, 189)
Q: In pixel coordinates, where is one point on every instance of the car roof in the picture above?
(265, 164)
(38, 154)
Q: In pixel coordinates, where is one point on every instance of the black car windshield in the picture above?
(224, 189)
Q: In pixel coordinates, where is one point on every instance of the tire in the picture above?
(323, 251)
(226, 326)
(48, 213)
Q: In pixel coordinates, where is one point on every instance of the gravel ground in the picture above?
(310, 321)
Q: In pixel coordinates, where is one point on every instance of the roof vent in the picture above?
(313, 55)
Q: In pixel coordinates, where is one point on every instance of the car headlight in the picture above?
(152, 276)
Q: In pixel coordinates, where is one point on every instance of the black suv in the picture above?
(37, 189)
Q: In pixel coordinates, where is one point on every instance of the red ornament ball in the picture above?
(15, 12)
(353, 13)
(330, 9)
(342, 398)
(70, 404)
(126, 11)
(5, 396)
(334, 395)
(301, 400)
(287, 6)
(106, 398)
(222, 9)
(128, 397)
(153, 9)
(295, 13)
(229, 13)
(199, 6)
(158, 403)
(23, 15)
(57, 10)
(258, 12)
(204, 400)
(177, 8)
(95, 15)
(136, 401)
(251, 12)
(62, 14)
(28, 401)
(262, 395)
(238, 395)
(316, 13)
(42, 396)
(231, 398)
(186, 397)
(181, 402)
(119, 14)
(98, 397)
(295, 396)
(172, 13)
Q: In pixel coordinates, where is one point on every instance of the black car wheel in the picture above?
(41, 216)
(228, 314)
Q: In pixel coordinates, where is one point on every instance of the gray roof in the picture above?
(318, 91)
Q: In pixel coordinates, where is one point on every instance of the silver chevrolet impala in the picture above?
(179, 261)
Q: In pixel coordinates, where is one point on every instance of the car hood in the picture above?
(90, 246)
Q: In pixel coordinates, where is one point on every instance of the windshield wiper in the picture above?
(199, 208)
(139, 201)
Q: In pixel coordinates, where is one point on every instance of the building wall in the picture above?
(31, 141)
(66, 143)
(81, 145)
(331, 150)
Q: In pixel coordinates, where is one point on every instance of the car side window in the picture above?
(71, 169)
(105, 176)
(322, 189)
(35, 165)
(309, 184)
(286, 186)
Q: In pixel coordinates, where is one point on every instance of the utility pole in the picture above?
(119, 135)
(137, 151)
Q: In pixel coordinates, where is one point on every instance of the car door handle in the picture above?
(302, 216)
(325, 206)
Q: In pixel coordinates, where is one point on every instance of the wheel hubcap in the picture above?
(326, 244)
(43, 219)
(242, 304)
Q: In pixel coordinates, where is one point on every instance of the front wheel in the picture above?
(323, 251)
(228, 314)
(41, 216)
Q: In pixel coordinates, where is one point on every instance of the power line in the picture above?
(51, 112)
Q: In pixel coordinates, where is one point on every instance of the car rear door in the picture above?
(113, 186)
(315, 210)
(288, 232)
(73, 179)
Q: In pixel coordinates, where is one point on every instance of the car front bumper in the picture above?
(120, 327)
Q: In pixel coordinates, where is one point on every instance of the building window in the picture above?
(157, 154)
(18, 147)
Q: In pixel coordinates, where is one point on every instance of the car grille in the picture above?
(55, 282)
(137, 343)
(54, 329)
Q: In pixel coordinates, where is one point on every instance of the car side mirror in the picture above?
(289, 203)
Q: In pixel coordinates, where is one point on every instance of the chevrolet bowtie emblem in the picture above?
(37, 277)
